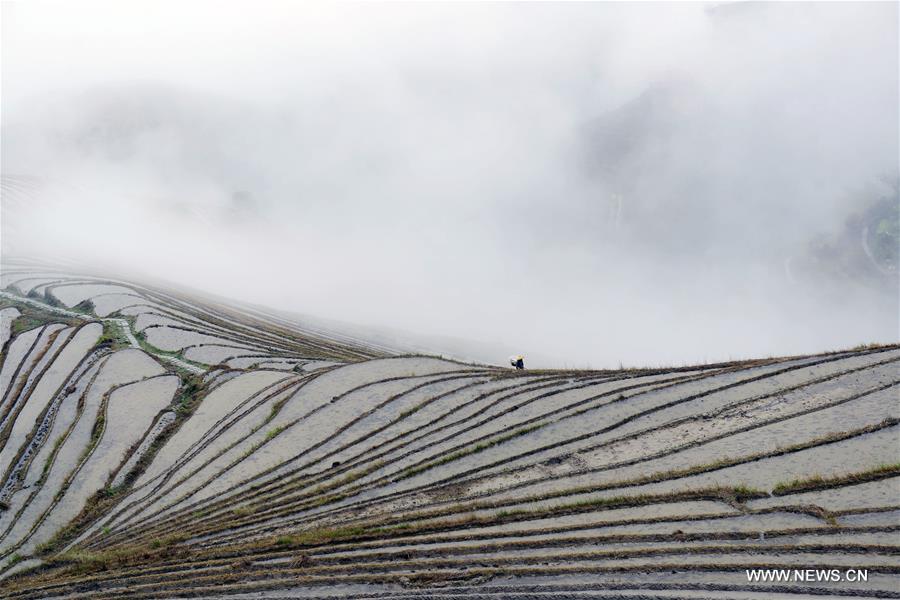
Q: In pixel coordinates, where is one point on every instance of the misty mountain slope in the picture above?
(155, 444)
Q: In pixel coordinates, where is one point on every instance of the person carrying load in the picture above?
(517, 361)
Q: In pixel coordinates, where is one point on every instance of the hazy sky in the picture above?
(586, 184)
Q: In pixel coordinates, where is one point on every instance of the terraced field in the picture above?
(156, 445)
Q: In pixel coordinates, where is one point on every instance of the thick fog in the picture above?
(585, 184)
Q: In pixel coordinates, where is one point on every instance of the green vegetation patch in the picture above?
(85, 307)
(83, 561)
(31, 317)
(113, 336)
